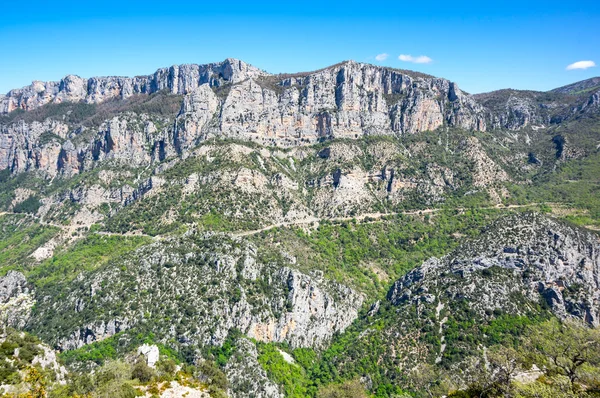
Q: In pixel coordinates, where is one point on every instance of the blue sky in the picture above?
(482, 46)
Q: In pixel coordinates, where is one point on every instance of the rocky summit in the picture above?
(217, 230)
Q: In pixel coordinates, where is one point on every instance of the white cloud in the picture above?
(581, 65)
(421, 59)
(381, 57)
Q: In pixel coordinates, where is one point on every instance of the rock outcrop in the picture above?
(209, 285)
(518, 109)
(245, 375)
(528, 256)
(16, 300)
(232, 99)
(151, 353)
(178, 79)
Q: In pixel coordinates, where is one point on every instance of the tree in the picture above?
(504, 364)
(113, 380)
(564, 348)
(142, 371)
(551, 387)
(427, 378)
(491, 376)
(113, 371)
(166, 367)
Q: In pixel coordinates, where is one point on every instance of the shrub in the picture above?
(166, 367)
(27, 353)
(113, 371)
(347, 389)
(29, 205)
(142, 371)
(210, 373)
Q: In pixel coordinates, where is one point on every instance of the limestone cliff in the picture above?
(228, 99)
(178, 79)
(527, 256)
(194, 290)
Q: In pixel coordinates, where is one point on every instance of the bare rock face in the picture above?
(592, 104)
(227, 99)
(209, 286)
(528, 256)
(235, 100)
(348, 100)
(181, 79)
(313, 312)
(16, 300)
(11, 285)
(198, 109)
(517, 109)
(32, 146)
(151, 353)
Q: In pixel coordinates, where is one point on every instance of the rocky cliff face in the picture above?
(229, 99)
(178, 79)
(527, 256)
(347, 100)
(251, 187)
(518, 109)
(195, 290)
(235, 100)
(16, 300)
(522, 268)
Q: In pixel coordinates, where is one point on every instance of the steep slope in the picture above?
(583, 86)
(178, 79)
(249, 222)
(518, 109)
(69, 126)
(528, 255)
(194, 290)
(519, 270)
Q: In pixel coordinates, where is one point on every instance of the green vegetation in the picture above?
(97, 352)
(568, 354)
(86, 255)
(123, 378)
(576, 183)
(347, 389)
(20, 236)
(370, 255)
(17, 351)
(392, 350)
(292, 377)
(220, 355)
(160, 103)
(114, 347)
(29, 205)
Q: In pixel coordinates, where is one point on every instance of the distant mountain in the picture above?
(515, 109)
(582, 87)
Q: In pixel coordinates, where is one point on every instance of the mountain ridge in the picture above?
(586, 83)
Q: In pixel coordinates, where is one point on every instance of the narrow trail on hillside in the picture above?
(69, 229)
(375, 216)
